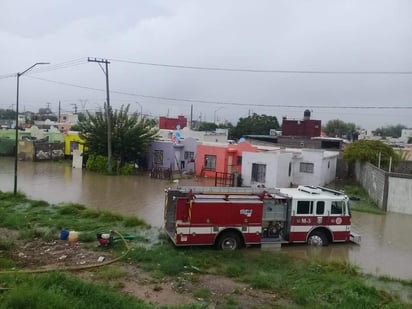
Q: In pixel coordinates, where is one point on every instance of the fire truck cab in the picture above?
(230, 218)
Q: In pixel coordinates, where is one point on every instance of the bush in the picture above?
(127, 169)
(98, 163)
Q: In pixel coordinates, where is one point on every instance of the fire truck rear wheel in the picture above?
(228, 241)
(317, 238)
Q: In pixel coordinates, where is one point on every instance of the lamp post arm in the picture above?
(16, 153)
(37, 63)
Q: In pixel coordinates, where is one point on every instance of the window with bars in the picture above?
(258, 172)
(306, 167)
(210, 162)
(189, 155)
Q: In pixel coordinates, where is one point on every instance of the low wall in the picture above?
(391, 191)
(373, 181)
(400, 193)
(404, 167)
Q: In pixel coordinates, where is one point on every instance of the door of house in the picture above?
(229, 164)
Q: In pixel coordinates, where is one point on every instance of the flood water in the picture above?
(386, 247)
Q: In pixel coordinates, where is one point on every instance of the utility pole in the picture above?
(109, 126)
(191, 117)
(60, 108)
(16, 153)
(75, 108)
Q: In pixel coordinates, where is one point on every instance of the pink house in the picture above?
(218, 158)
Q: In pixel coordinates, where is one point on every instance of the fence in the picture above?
(390, 191)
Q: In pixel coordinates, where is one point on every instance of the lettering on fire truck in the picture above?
(230, 218)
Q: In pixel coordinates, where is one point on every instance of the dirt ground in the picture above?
(216, 291)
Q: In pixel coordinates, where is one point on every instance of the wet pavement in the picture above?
(386, 247)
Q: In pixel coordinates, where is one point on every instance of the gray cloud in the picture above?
(267, 35)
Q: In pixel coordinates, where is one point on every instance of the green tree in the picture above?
(390, 131)
(207, 126)
(254, 124)
(81, 116)
(371, 151)
(339, 128)
(131, 135)
(7, 114)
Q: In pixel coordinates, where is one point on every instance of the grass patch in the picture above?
(203, 293)
(71, 209)
(56, 290)
(301, 282)
(110, 273)
(133, 222)
(6, 263)
(359, 198)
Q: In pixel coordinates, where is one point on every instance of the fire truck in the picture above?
(230, 218)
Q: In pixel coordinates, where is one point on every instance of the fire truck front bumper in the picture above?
(355, 237)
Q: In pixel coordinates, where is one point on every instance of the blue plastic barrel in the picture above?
(64, 234)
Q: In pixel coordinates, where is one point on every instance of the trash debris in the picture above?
(101, 259)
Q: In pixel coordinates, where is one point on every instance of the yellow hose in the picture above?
(67, 268)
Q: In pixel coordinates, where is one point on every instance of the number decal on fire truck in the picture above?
(246, 212)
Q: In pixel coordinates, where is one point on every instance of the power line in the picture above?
(261, 70)
(48, 68)
(8, 76)
(220, 102)
(60, 66)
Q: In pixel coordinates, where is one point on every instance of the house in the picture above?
(304, 128)
(72, 141)
(289, 167)
(172, 123)
(215, 158)
(174, 154)
(270, 169)
(218, 136)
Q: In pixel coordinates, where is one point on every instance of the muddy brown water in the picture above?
(386, 247)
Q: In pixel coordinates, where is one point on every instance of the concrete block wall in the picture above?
(391, 191)
(372, 180)
(400, 194)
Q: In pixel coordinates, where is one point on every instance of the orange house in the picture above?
(215, 158)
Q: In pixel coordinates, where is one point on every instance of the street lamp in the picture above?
(16, 153)
(214, 114)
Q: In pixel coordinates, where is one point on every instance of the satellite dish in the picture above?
(178, 127)
(242, 139)
(177, 134)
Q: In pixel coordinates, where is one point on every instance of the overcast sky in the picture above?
(283, 57)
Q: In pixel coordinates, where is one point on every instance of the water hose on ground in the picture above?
(71, 268)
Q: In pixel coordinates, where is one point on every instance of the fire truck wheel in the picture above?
(228, 241)
(317, 238)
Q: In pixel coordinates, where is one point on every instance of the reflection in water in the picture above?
(386, 247)
(59, 182)
(383, 251)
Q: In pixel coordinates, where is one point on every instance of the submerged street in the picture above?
(386, 247)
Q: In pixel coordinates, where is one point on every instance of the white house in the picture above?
(218, 136)
(289, 167)
(271, 169)
(405, 135)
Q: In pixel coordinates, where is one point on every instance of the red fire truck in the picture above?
(230, 218)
